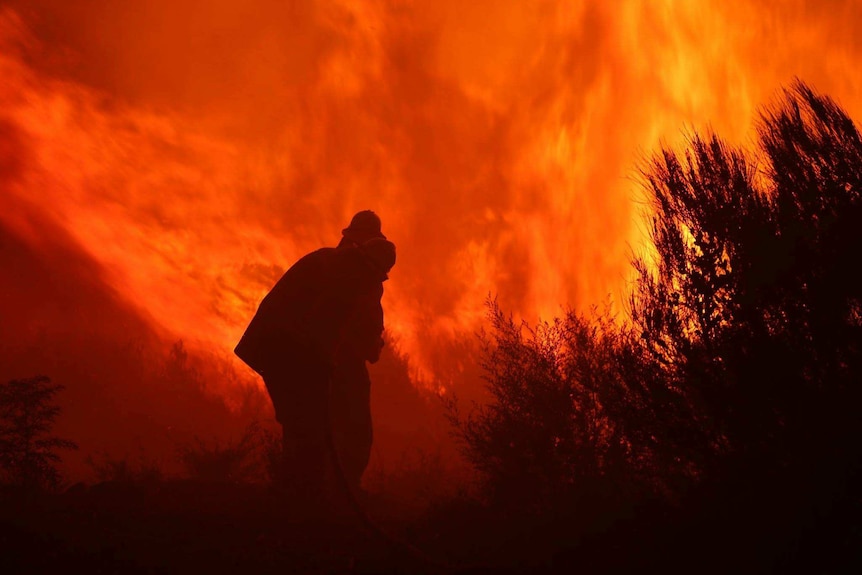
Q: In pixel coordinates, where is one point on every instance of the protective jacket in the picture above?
(327, 300)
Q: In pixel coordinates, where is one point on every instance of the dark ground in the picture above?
(186, 526)
(183, 527)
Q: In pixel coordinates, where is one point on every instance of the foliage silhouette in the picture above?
(546, 437)
(739, 372)
(236, 461)
(28, 451)
(108, 468)
(752, 306)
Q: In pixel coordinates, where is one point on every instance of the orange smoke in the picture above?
(196, 154)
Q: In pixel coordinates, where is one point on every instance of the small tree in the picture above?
(28, 451)
(546, 436)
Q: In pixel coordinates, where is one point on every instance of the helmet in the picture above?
(364, 226)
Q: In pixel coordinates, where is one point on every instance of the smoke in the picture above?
(193, 150)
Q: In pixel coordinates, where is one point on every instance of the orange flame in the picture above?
(196, 155)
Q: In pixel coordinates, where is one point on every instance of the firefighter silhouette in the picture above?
(310, 340)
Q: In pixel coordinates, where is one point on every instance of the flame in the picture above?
(195, 155)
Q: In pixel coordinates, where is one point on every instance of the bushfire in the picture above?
(191, 154)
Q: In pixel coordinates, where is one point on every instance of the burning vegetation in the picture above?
(159, 169)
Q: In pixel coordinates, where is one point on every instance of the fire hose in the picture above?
(357, 508)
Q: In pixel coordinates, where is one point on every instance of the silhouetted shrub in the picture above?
(232, 461)
(414, 480)
(752, 303)
(28, 451)
(546, 437)
(741, 365)
(122, 470)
